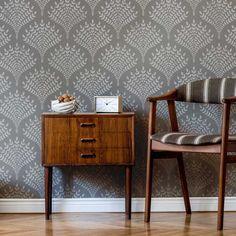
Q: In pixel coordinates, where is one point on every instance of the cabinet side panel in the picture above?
(42, 140)
(56, 138)
(132, 129)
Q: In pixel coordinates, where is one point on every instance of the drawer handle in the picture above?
(87, 140)
(88, 155)
(87, 125)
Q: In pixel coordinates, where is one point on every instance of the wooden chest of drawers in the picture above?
(87, 139)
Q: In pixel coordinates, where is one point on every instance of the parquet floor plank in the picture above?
(115, 224)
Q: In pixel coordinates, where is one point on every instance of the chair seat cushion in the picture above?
(189, 139)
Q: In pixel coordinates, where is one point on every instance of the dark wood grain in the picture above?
(47, 191)
(128, 190)
(223, 155)
(175, 128)
(184, 185)
(87, 139)
(151, 130)
(50, 189)
(113, 140)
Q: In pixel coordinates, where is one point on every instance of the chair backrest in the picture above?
(207, 91)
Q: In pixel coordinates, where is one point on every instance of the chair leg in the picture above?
(184, 183)
(148, 187)
(221, 197)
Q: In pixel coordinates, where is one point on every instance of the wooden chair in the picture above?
(173, 144)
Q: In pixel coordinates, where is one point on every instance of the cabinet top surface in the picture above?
(87, 114)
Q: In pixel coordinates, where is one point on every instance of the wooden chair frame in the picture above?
(158, 150)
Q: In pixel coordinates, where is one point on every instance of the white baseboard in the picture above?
(112, 205)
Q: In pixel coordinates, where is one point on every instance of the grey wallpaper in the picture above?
(133, 48)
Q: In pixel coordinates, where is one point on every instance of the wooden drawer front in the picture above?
(102, 156)
(105, 140)
(84, 127)
(121, 124)
(115, 140)
(86, 156)
(115, 156)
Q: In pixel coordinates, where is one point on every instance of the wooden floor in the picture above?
(109, 224)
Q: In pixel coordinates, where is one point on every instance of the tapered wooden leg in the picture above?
(47, 191)
(50, 188)
(148, 187)
(221, 199)
(128, 191)
(184, 183)
(223, 156)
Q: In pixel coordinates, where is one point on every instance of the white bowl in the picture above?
(64, 107)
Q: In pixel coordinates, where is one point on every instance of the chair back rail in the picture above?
(207, 91)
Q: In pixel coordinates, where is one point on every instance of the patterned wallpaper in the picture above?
(132, 48)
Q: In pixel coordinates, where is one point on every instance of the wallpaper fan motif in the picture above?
(5, 84)
(92, 83)
(67, 13)
(149, 34)
(5, 37)
(16, 107)
(231, 36)
(219, 59)
(17, 154)
(143, 4)
(42, 37)
(92, 37)
(194, 4)
(168, 13)
(132, 48)
(17, 13)
(117, 13)
(118, 60)
(194, 37)
(67, 60)
(32, 129)
(143, 83)
(168, 60)
(17, 60)
(92, 4)
(42, 84)
(218, 13)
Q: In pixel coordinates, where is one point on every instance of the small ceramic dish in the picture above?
(64, 107)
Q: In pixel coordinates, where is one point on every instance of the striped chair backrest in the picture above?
(207, 91)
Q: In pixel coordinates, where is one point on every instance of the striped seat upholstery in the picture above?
(207, 91)
(189, 139)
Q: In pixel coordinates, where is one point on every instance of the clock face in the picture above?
(106, 104)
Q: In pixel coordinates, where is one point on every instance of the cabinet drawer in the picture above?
(103, 156)
(88, 156)
(115, 124)
(116, 156)
(115, 140)
(84, 127)
(104, 140)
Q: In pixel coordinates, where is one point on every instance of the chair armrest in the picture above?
(229, 100)
(171, 95)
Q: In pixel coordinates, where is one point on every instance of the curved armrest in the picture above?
(229, 100)
(171, 95)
